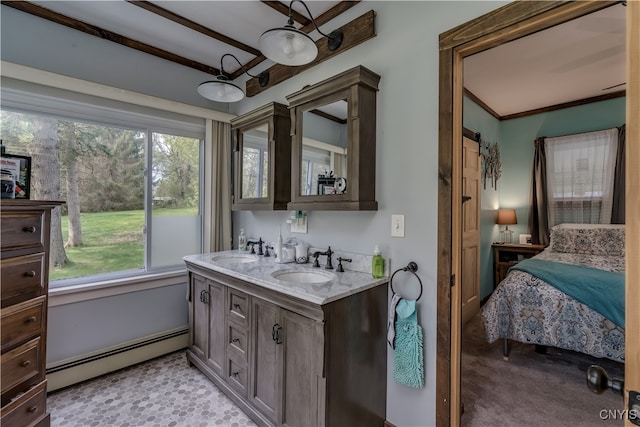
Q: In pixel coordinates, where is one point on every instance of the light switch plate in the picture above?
(397, 225)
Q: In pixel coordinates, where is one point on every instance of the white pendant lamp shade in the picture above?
(220, 90)
(288, 46)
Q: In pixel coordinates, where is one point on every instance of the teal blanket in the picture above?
(603, 291)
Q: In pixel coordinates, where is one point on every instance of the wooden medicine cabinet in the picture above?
(262, 159)
(333, 157)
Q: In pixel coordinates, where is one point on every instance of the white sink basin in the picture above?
(233, 259)
(303, 276)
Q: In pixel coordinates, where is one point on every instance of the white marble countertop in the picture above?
(259, 271)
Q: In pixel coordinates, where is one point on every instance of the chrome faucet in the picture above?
(328, 253)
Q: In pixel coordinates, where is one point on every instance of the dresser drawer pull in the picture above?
(31, 229)
(31, 273)
(26, 363)
(32, 409)
(31, 319)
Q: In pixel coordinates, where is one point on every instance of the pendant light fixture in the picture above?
(222, 90)
(290, 46)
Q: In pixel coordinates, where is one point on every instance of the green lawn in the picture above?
(113, 241)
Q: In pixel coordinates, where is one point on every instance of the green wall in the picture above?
(515, 138)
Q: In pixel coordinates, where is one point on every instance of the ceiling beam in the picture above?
(153, 8)
(284, 9)
(355, 32)
(57, 18)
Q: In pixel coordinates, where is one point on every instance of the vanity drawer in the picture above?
(23, 320)
(22, 275)
(237, 377)
(28, 410)
(238, 306)
(21, 364)
(22, 230)
(237, 344)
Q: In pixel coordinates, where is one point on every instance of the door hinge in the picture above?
(452, 280)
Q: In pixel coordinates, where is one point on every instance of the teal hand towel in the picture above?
(408, 357)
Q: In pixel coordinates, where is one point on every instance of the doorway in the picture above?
(500, 26)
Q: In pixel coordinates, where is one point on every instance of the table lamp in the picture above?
(506, 217)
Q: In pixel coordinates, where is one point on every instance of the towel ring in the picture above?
(412, 267)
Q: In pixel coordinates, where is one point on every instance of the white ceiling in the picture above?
(243, 21)
(565, 63)
(569, 62)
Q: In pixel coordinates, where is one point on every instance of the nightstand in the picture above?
(506, 255)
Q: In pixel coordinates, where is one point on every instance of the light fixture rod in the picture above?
(310, 16)
(263, 77)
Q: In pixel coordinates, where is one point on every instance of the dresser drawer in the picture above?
(237, 377)
(22, 321)
(21, 364)
(28, 410)
(22, 275)
(238, 306)
(237, 345)
(23, 230)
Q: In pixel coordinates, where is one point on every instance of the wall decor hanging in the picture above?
(491, 165)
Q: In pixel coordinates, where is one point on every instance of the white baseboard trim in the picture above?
(77, 369)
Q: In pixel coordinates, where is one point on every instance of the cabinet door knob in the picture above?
(236, 374)
(32, 409)
(26, 363)
(235, 340)
(31, 319)
(31, 273)
(236, 306)
(31, 229)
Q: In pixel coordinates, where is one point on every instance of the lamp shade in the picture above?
(507, 217)
(220, 90)
(288, 46)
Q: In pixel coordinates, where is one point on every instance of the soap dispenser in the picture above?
(377, 264)
(242, 241)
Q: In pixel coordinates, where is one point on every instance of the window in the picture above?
(580, 176)
(132, 187)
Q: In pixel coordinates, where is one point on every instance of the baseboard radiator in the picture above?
(84, 367)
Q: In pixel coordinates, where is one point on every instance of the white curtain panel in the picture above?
(580, 176)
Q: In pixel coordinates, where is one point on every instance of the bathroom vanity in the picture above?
(292, 345)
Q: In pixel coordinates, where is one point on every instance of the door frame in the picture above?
(502, 25)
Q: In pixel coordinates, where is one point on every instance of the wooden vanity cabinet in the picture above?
(25, 226)
(306, 364)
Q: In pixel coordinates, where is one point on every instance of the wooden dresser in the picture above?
(24, 240)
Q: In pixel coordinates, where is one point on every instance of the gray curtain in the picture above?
(538, 217)
(221, 239)
(617, 214)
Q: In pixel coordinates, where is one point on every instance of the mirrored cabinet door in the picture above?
(262, 158)
(334, 143)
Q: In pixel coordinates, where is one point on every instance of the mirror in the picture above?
(323, 168)
(333, 146)
(262, 158)
(255, 162)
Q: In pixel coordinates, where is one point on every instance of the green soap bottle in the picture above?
(377, 264)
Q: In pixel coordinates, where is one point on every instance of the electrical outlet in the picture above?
(397, 225)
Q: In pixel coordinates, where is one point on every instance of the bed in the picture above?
(528, 309)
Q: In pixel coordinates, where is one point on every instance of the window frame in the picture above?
(21, 81)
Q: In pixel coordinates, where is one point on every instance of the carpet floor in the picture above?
(531, 389)
(163, 392)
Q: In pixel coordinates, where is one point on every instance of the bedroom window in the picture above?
(131, 181)
(580, 177)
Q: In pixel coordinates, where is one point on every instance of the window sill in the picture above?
(106, 288)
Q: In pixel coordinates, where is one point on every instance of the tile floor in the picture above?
(161, 392)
